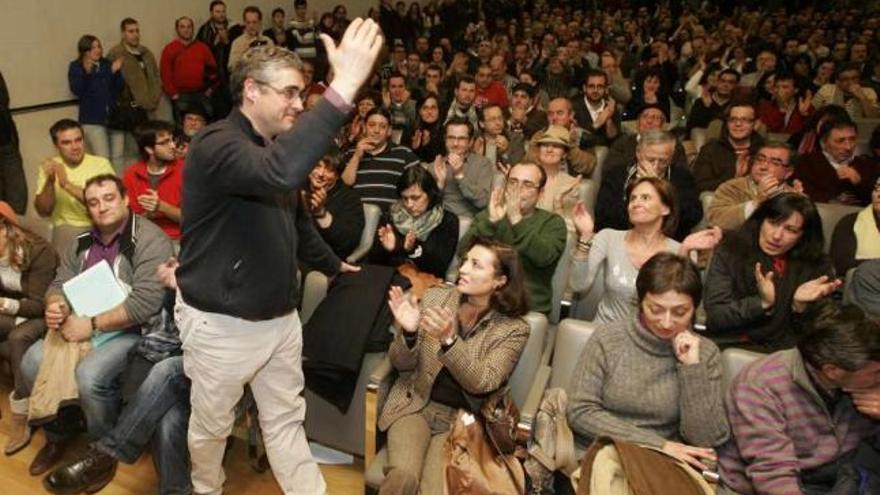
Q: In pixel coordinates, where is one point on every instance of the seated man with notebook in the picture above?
(134, 248)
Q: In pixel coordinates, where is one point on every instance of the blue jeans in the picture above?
(97, 376)
(158, 411)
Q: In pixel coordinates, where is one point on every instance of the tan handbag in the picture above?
(473, 467)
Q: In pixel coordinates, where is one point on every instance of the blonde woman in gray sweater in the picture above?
(649, 379)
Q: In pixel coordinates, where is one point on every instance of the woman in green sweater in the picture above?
(650, 380)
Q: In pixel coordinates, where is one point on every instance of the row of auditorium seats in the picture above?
(327, 425)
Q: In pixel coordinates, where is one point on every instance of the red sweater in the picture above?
(184, 67)
(774, 118)
(494, 93)
(137, 182)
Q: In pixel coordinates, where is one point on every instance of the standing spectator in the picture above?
(97, 82)
(13, 185)
(304, 32)
(189, 71)
(215, 33)
(280, 34)
(143, 85)
(155, 183)
(252, 18)
(60, 182)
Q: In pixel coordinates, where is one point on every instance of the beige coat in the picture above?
(55, 384)
(481, 362)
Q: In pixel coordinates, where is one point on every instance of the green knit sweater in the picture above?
(628, 385)
(539, 239)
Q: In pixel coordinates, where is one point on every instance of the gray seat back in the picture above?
(571, 337)
(831, 214)
(524, 374)
(733, 360)
(372, 213)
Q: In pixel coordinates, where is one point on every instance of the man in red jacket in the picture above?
(154, 184)
(489, 91)
(188, 68)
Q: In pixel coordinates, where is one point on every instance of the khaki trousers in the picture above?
(415, 452)
(221, 354)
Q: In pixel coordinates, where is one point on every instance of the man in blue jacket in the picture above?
(241, 231)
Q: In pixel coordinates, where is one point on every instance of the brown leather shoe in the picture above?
(89, 474)
(47, 457)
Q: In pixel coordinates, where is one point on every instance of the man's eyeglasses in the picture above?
(290, 93)
(527, 184)
(760, 157)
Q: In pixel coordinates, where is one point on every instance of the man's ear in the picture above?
(833, 373)
(251, 89)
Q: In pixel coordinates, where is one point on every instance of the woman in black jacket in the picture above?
(416, 228)
(766, 272)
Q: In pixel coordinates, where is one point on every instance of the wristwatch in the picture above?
(450, 340)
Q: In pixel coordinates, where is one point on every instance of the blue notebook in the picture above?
(93, 292)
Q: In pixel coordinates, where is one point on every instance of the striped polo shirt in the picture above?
(780, 425)
(377, 175)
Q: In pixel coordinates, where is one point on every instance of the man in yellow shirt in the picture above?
(60, 182)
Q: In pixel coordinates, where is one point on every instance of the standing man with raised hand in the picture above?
(237, 316)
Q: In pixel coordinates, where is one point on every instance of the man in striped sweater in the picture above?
(803, 420)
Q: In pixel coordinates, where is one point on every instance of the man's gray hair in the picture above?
(655, 137)
(260, 64)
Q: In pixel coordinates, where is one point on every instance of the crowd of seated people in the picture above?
(712, 139)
